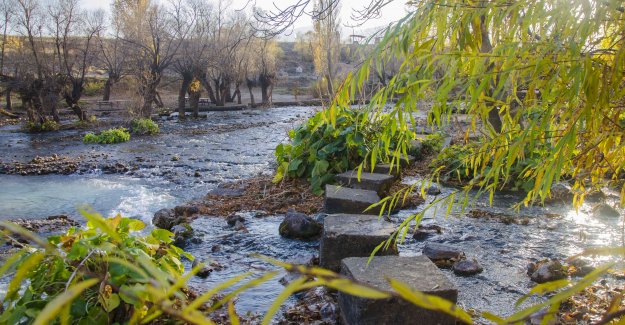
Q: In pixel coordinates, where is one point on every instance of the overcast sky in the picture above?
(390, 13)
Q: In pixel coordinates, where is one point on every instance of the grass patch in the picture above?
(144, 126)
(109, 136)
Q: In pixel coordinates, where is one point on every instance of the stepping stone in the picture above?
(348, 235)
(380, 183)
(386, 170)
(340, 199)
(418, 272)
(405, 161)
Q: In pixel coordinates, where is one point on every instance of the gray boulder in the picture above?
(438, 252)
(186, 210)
(604, 210)
(467, 267)
(546, 271)
(205, 271)
(300, 226)
(165, 219)
(182, 232)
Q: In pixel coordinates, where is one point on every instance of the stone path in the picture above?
(351, 233)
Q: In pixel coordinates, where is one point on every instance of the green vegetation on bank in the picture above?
(109, 136)
(144, 126)
(324, 147)
(46, 126)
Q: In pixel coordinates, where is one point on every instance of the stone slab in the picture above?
(417, 272)
(349, 235)
(339, 199)
(387, 170)
(380, 183)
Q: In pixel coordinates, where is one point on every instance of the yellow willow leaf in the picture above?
(429, 301)
(544, 288)
(232, 314)
(30, 263)
(293, 287)
(53, 308)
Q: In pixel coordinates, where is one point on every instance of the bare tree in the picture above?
(112, 57)
(326, 41)
(191, 61)
(231, 32)
(74, 33)
(156, 35)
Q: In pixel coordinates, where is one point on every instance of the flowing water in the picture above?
(188, 160)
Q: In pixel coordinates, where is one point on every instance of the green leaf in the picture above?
(53, 308)
(108, 302)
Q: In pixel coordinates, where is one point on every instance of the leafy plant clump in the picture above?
(99, 275)
(46, 126)
(144, 126)
(108, 137)
(320, 149)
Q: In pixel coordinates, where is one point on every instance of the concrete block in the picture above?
(418, 272)
(348, 235)
(380, 183)
(339, 199)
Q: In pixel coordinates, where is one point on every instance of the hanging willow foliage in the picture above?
(537, 77)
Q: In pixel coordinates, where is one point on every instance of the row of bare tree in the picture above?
(49, 49)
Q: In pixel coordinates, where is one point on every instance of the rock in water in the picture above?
(300, 226)
(186, 210)
(604, 210)
(239, 226)
(423, 232)
(546, 271)
(561, 192)
(438, 252)
(182, 232)
(467, 267)
(205, 271)
(165, 219)
(233, 219)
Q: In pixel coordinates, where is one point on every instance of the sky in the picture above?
(390, 13)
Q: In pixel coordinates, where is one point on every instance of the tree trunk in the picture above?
(237, 93)
(250, 85)
(493, 114)
(149, 97)
(9, 105)
(219, 99)
(194, 101)
(209, 89)
(107, 89)
(72, 98)
(184, 87)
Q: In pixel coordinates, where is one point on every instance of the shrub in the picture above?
(108, 137)
(144, 126)
(112, 274)
(93, 88)
(46, 126)
(320, 149)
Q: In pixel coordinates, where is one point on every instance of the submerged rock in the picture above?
(300, 226)
(440, 252)
(467, 267)
(604, 210)
(561, 192)
(424, 232)
(182, 232)
(546, 271)
(233, 219)
(205, 271)
(433, 190)
(239, 226)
